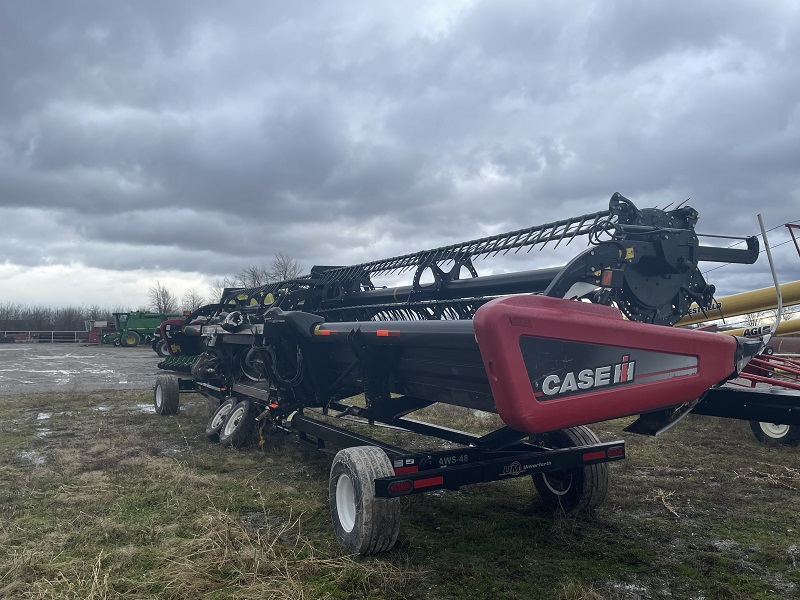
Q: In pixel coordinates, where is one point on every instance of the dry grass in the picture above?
(102, 500)
(124, 504)
(575, 591)
(785, 477)
(269, 561)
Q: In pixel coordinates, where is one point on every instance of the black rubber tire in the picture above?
(572, 490)
(239, 428)
(160, 347)
(362, 523)
(775, 433)
(218, 419)
(129, 339)
(166, 395)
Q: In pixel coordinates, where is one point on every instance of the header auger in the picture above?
(549, 350)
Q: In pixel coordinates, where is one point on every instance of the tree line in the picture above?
(26, 317)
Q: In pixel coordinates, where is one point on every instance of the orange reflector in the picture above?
(319, 331)
(401, 487)
(387, 333)
(605, 278)
(423, 483)
(594, 455)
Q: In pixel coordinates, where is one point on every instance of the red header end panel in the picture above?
(556, 363)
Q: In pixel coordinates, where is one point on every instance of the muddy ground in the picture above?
(35, 368)
(101, 498)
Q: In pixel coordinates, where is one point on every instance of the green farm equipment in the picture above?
(132, 328)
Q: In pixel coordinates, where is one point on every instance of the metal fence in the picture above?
(45, 336)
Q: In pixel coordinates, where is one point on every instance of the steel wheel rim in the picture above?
(233, 420)
(562, 483)
(219, 418)
(774, 430)
(346, 502)
(159, 398)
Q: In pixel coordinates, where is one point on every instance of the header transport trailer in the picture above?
(548, 350)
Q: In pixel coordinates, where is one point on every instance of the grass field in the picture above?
(100, 498)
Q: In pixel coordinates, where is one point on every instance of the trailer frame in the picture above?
(498, 455)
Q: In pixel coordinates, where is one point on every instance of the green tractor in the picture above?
(133, 328)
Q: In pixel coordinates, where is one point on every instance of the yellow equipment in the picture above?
(785, 328)
(743, 303)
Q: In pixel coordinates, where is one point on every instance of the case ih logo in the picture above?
(587, 379)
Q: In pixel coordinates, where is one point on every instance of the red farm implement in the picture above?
(549, 350)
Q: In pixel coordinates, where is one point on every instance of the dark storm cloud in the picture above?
(208, 137)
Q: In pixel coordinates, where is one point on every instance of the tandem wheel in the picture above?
(362, 523)
(571, 490)
(239, 428)
(166, 395)
(218, 419)
(775, 433)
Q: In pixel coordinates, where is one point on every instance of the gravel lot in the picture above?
(29, 368)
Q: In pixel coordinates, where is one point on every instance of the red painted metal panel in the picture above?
(555, 363)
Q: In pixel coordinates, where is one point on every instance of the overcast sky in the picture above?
(183, 141)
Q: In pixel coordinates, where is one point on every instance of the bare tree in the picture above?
(251, 277)
(192, 300)
(788, 312)
(281, 268)
(217, 287)
(161, 299)
(284, 267)
(752, 319)
(21, 317)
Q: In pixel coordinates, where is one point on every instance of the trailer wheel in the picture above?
(362, 523)
(160, 346)
(775, 433)
(572, 490)
(239, 428)
(217, 420)
(129, 339)
(166, 396)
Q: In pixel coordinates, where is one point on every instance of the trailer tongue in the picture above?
(549, 350)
